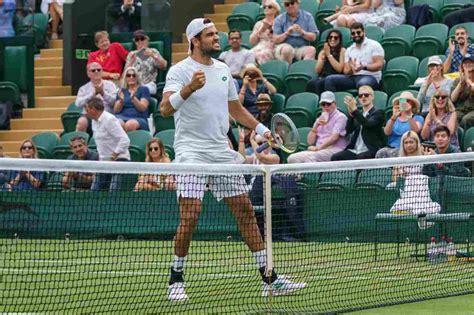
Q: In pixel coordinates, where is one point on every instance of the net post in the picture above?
(268, 221)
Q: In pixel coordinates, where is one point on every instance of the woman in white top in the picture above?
(388, 14)
(55, 9)
(351, 11)
(262, 34)
(410, 146)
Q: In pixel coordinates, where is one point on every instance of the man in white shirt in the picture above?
(363, 63)
(237, 57)
(111, 140)
(200, 93)
(96, 87)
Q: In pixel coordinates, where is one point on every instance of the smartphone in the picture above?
(430, 145)
(402, 102)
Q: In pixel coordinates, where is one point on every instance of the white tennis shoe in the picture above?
(176, 292)
(282, 286)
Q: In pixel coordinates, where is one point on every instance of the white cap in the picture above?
(327, 97)
(195, 27)
(435, 60)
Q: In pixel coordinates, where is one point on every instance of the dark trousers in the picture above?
(349, 155)
(315, 85)
(110, 182)
(342, 82)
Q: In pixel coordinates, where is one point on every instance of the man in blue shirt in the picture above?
(292, 31)
(7, 11)
(458, 48)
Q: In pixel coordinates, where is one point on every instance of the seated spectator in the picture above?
(463, 92)
(365, 127)
(262, 35)
(387, 14)
(330, 61)
(80, 152)
(155, 153)
(457, 49)
(55, 9)
(253, 84)
(404, 118)
(96, 87)
(363, 63)
(131, 107)
(111, 56)
(264, 107)
(26, 180)
(292, 31)
(441, 112)
(237, 56)
(409, 146)
(267, 156)
(146, 60)
(466, 14)
(7, 12)
(126, 15)
(351, 12)
(111, 140)
(442, 141)
(435, 81)
(328, 135)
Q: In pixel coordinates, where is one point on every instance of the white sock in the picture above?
(178, 263)
(261, 258)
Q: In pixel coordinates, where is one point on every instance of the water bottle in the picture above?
(442, 250)
(432, 251)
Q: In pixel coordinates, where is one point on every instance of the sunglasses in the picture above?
(27, 147)
(151, 149)
(267, 7)
(140, 39)
(333, 37)
(324, 104)
(440, 97)
(364, 95)
(356, 33)
(95, 70)
(131, 75)
(287, 4)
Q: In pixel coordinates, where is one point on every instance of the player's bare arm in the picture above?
(242, 115)
(198, 80)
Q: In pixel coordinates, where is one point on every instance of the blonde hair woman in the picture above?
(441, 112)
(262, 34)
(155, 153)
(410, 146)
(435, 81)
(26, 180)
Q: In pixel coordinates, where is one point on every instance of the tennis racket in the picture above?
(284, 133)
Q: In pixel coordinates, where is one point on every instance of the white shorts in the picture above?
(221, 186)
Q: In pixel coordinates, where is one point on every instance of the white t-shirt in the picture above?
(202, 121)
(363, 55)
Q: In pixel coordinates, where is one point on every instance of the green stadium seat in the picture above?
(397, 41)
(167, 137)
(35, 25)
(91, 145)
(346, 37)
(45, 143)
(374, 32)
(327, 8)
(301, 108)
(298, 76)
(468, 141)
(308, 5)
(450, 6)
(243, 16)
(303, 133)
(138, 141)
(399, 74)
(430, 40)
(15, 66)
(246, 39)
(340, 101)
(278, 103)
(9, 91)
(162, 123)
(153, 105)
(377, 178)
(73, 108)
(470, 30)
(337, 180)
(62, 150)
(54, 181)
(275, 72)
(435, 7)
(69, 120)
(461, 137)
(128, 45)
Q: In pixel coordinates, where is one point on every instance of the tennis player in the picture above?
(200, 93)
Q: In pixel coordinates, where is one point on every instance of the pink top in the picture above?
(336, 124)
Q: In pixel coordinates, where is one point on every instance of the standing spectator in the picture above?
(442, 137)
(131, 107)
(458, 47)
(264, 106)
(155, 153)
(404, 118)
(251, 87)
(55, 9)
(363, 63)
(96, 87)
(292, 31)
(330, 61)
(146, 60)
(441, 112)
(435, 81)
(262, 34)
(111, 56)
(111, 140)
(80, 152)
(387, 14)
(126, 15)
(463, 92)
(237, 57)
(7, 12)
(328, 135)
(366, 127)
(26, 180)
(351, 12)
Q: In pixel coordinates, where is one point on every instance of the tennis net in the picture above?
(357, 233)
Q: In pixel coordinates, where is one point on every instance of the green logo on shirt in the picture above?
(224, 78)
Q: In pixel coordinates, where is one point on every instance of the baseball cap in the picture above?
(435, 60)
(327, 97)
(195, 27)
(140, 33)
(468, 57)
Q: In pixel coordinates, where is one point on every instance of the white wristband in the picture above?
(261, 129)
(176, 100)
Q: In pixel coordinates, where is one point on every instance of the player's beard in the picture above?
(209, 50)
